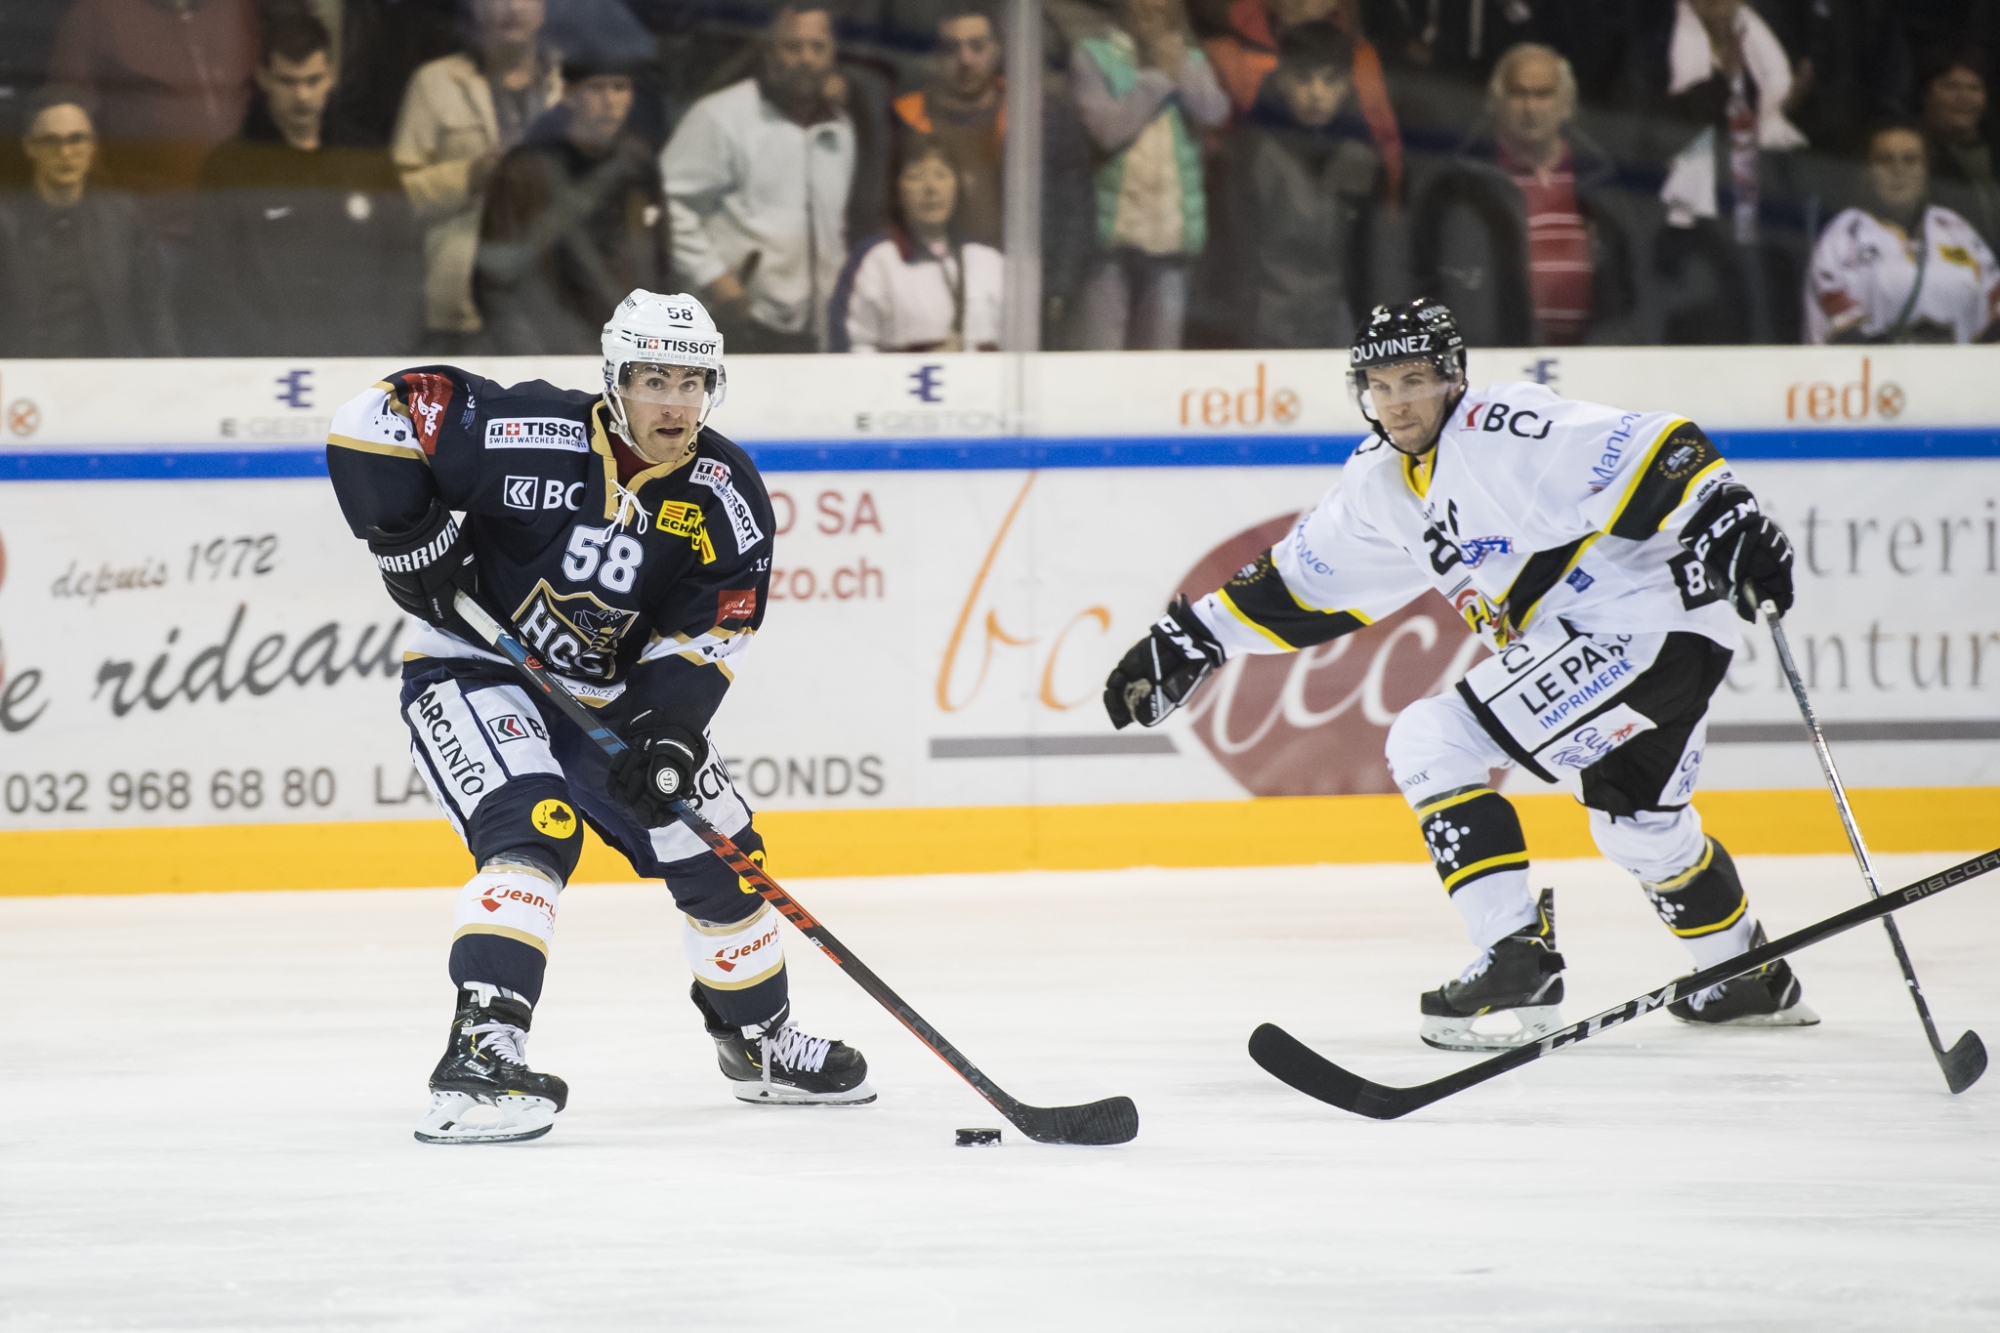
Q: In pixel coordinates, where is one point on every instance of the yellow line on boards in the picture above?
(1283, 830)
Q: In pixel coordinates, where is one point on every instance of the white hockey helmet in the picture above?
(651, 329)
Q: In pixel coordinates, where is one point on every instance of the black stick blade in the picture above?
(1292, 1062)
(1964, 1062)
(1113, 1120)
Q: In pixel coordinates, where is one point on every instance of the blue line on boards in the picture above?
(990, 453)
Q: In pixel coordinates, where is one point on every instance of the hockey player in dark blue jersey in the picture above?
(631, 546)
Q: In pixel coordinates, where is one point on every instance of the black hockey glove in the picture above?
(657, 769)
(1743, 550)
(1162, 669)
(426, 568)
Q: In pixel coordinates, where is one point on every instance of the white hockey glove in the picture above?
(1159, 672)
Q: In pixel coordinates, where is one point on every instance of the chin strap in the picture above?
(615, 409)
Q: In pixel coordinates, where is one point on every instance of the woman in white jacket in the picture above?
(919, 287)
(1901, 269)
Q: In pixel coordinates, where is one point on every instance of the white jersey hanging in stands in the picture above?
(1864, 269)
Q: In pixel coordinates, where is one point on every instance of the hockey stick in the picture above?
(1293, 1062)
(1965, 1061)
(1113, 1120)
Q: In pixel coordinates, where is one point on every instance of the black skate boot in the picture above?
(1521, 976)
(773, 1063)
(482, 1091)
(1770, 997)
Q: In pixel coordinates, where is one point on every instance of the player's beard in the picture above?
(1435, 431)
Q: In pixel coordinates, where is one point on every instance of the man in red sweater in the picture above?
(1525, 234)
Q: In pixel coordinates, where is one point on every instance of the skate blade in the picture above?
(777, 1094)
(1800, 1015)
(1459, 1034)
(459, 1117)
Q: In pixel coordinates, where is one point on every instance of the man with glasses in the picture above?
(1600, 553)
(80, 273)
(631, 546)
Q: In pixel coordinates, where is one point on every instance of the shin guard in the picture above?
(505, 918)
(1475, 841)
(1705, 906)
(739, 965)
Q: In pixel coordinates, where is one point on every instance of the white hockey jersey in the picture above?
(1864, 271)
(1532, 508)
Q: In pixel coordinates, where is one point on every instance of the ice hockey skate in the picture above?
(774, 1063)
(482, 1091)
(1516, 985)
(1770, 997)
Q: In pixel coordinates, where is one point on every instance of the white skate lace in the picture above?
(1476, 968)
(1707, 995)
(504, 1042)
(795, 1050)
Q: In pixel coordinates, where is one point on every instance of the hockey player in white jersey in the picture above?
(1606, 556)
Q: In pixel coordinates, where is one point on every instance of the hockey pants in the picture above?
(518, 781)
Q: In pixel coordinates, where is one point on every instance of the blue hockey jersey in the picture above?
(648, 586)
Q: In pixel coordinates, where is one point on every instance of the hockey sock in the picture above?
(739, 965)
(1705, 906)
(506, 915)
(1476, 844)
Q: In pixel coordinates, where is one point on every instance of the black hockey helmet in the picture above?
(1419, 330)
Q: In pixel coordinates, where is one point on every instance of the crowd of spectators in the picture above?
(448, 177)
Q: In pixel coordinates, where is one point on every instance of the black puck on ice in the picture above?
(974, 1138)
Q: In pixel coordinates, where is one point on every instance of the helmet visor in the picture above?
(1404, 384)
(650, 382)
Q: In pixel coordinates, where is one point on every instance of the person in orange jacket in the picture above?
(1249, 51)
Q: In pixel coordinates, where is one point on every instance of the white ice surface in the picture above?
(209, 1102)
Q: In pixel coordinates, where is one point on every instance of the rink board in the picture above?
(194, 641)
(1326, 830)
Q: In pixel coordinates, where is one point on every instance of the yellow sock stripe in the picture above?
(1682, 880)
(1742, 906)
(532, 941)
(1491, 863)
(1447, 802)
